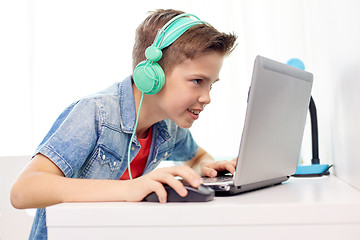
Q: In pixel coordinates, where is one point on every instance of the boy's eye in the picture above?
(197, 81)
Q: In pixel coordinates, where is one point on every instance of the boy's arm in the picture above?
(206, 165)
(42, 184)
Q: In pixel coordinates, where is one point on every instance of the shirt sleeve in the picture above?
(72, 137)
(185, 147)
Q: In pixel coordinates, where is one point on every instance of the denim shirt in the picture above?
(90, 140)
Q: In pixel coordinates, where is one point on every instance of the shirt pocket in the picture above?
(103, 164)
(163, 154)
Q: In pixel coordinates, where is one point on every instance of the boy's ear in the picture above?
(149, 77)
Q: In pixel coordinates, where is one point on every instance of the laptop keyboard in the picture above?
(219, 179)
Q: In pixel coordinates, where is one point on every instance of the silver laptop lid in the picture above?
(278, 101)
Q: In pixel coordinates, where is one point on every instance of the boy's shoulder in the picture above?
(108, 104)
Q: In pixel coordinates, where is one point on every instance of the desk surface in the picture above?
(325, 200)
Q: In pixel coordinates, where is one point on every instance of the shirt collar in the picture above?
(127, 106)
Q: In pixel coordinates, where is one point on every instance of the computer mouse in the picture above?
(200, 194)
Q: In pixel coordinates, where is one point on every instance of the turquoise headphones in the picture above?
(148, 75)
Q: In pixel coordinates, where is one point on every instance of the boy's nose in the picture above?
(205, 98)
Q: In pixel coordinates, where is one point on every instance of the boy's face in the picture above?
(187, 88)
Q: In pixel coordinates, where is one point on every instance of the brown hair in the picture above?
(196, 41)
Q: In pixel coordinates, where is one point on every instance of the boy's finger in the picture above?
(160, 192)
(188, 174)
(209, 172)
(231, 168)
(178, 187)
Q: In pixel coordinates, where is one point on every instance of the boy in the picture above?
(85, 155)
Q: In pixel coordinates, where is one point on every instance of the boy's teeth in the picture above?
(194, 112)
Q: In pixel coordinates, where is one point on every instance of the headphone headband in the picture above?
(177, 17)
(173, 29)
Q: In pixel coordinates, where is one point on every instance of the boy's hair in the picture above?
(196, 41)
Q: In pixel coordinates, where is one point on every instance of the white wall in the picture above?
(15, 87)
(338, 42)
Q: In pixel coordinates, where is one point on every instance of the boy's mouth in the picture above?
(196, 112)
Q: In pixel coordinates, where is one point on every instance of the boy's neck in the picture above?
(147, 115)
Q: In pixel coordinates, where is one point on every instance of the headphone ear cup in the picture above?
(159, 72)
(149, 77)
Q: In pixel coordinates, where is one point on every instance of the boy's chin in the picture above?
(184, 124)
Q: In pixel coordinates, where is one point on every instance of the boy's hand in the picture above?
(153, 182)
(211, 168)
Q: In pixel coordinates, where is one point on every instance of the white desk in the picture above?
(301, 208)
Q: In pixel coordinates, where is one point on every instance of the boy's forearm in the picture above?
(39, 190)
(205, 165)
(200, 158)
(97, 190)
(43, 184)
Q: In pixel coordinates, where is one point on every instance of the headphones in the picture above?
(148, 75)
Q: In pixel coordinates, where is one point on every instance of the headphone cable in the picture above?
(133, 134)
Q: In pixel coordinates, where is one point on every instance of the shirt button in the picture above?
(114, 163)
(103, 157)
(133, 149)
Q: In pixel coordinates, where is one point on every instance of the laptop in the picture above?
(278, 102)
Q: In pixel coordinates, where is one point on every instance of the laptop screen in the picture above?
(274, 124)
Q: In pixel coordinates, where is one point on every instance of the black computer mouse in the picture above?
(200, 194)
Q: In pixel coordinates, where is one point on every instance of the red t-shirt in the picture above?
(137, 165)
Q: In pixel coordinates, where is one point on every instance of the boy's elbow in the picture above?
(17, 197)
